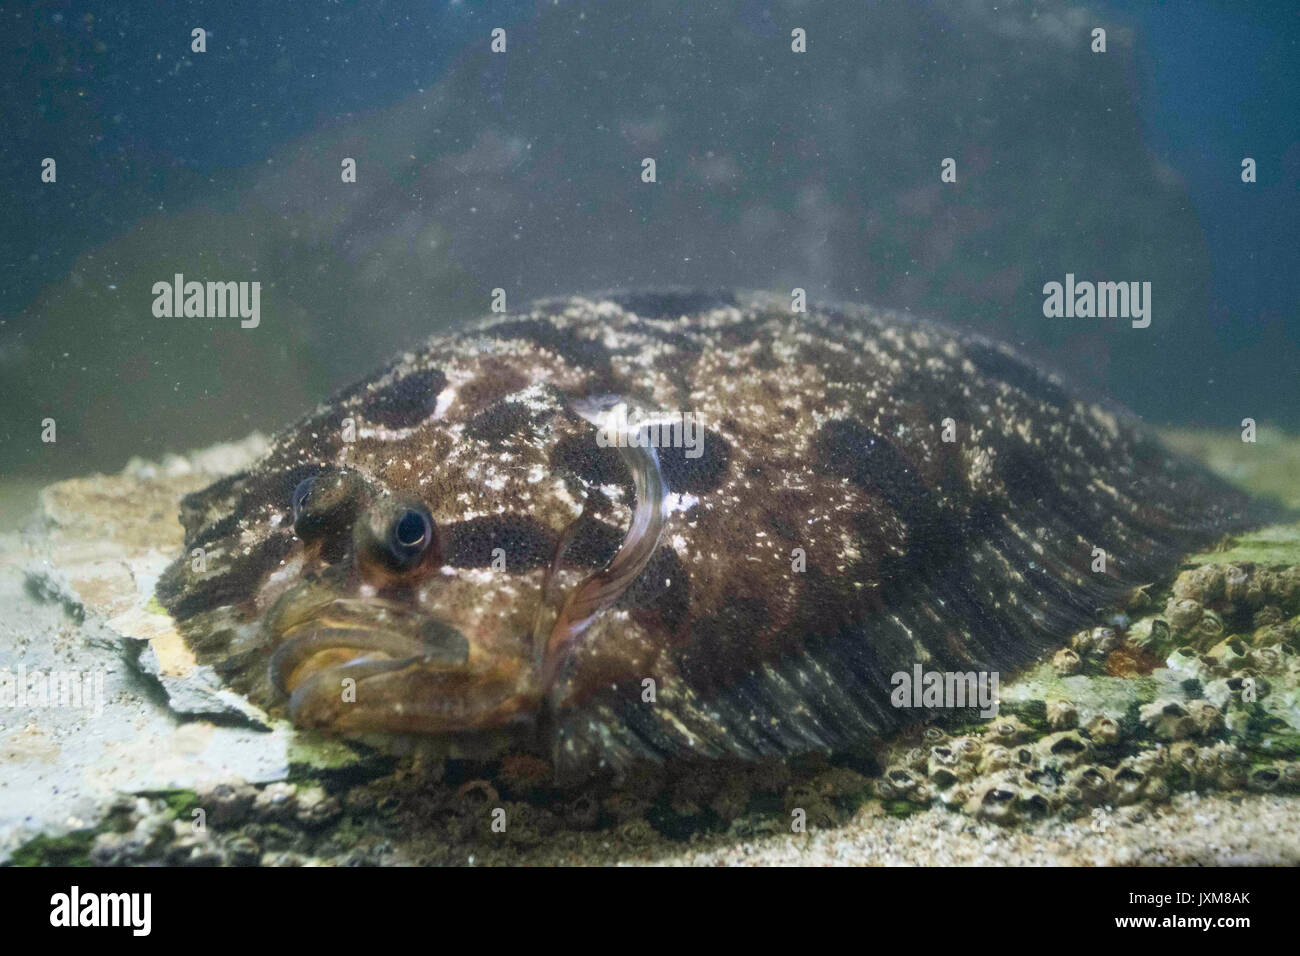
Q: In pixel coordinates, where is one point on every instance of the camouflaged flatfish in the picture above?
(449, 547)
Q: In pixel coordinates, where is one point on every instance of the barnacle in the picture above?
(1183, 613)
(1167, 720)
(1103, 729)
(1095, 642)
(1062, 714)
(1064, 749)
(1066, 662)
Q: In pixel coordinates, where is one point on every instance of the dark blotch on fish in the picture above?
(469, 544)
(705, 472)
(871, 462)
(500, 422)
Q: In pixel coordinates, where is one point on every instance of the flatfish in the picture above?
(641, 526)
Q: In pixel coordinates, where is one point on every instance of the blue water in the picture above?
(773, 175)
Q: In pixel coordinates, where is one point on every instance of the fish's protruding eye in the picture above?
(397, 542)
(299, 496)
(326, 504)
(411, 533)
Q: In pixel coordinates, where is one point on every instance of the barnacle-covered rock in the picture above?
(1286, 588)
(1183, 613)
(1206, 632)
(227, 804)
(995, 758)
(731, 799)
(1207, 718)
(1283, 633)
(945, 766)
(1141, 777)
(1023, 756)
(916, 758)
(957, 796)
(1264, 778)
(1046, 781)
(1095, 642)
(1167, 720)
(1128, 660)
(1032, 803)
(1150, 634)
(1227, 765)
(1223, 692)
(996, 801)
(527, 825)
(1064, 749)
(1189, 663)
(1229, 656)
(1240, 588)
(275, 801)
(897, 782)
(1201, 585)
(967, 749)
(1269, 616)
(933, 735)
(1272, 658)
(583, 811)
(1103, 729)
(1007, 731)
(1185, 756)
(192, 847)
(316, 808)
(1066, 662)
(1088, 784)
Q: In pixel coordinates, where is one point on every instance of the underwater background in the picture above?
(521, 170)
(1140, 740)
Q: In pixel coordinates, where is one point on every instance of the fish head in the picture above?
(397, 561)
(379, 634)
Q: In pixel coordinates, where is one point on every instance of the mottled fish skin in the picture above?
(824, 433)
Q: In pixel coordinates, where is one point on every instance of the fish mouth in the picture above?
(353, 665)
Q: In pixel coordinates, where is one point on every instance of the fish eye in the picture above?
(299, 497)
(411, 532)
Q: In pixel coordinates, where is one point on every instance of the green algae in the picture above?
(68, 849)
(1274, 546)
(315, 756)
(1268, 468)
